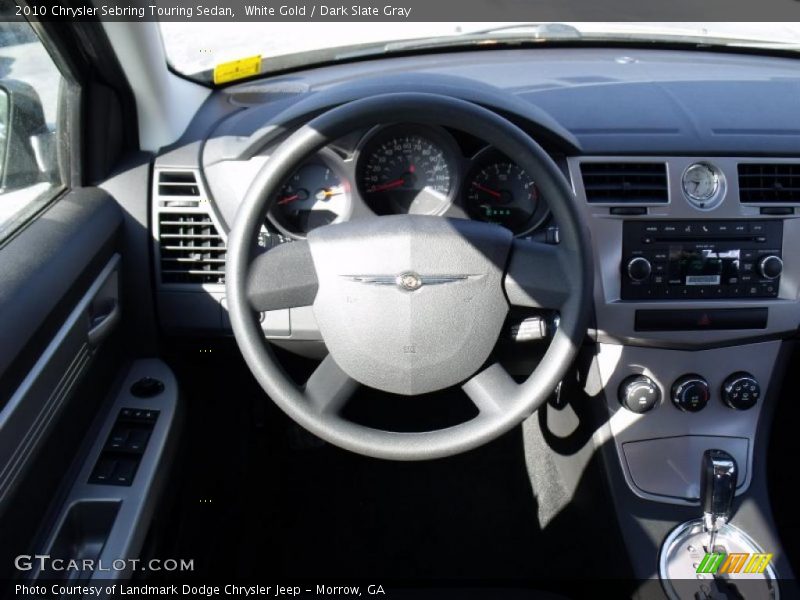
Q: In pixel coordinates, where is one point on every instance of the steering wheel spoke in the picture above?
(539, 276)
(491, 390)
(329, 388)
(283, 277)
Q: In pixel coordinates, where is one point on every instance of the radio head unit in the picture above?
(701, 259)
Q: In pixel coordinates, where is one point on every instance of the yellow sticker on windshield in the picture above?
(237, 69)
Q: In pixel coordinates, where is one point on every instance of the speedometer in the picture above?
(408, 170)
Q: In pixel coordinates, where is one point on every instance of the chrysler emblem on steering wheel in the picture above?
(407, 281)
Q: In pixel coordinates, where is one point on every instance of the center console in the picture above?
(695, 300)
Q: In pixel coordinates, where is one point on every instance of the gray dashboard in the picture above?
(598, 101)
(668, 109)
(616, 108)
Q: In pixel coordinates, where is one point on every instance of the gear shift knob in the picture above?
(718, 476)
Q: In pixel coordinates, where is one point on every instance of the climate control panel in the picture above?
(689, 393)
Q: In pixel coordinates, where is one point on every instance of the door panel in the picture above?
(45, 270)
(59, 305)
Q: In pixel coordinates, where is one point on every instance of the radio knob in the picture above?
(690, 393)
(770, 267)
(741, 391)
(639, 268)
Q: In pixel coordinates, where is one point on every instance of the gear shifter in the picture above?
(717, 487)
(689, 545)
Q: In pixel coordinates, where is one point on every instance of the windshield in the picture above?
(194, 49)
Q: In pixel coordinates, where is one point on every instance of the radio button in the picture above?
(752, 290)
(769, 289)
(639, 268)
(740, 227)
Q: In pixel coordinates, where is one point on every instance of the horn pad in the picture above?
(410, 304)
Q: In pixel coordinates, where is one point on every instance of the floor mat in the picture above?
(259, 496)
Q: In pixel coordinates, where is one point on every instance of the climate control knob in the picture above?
(639, 393)
(639, 268)
(770, 267)
(690, 393)
(741, 391)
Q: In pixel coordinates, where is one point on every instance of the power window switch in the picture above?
(125, 470)
(137, 440)
(118, 438)
(103, 471)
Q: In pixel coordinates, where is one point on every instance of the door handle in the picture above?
(102, 321)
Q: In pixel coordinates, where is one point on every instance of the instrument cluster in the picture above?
(408, 169)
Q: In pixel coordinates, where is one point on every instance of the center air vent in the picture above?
(178, 188)
(769, 183)
(192, 250)
(625, 182)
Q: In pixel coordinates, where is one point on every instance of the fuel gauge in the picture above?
(315, 195)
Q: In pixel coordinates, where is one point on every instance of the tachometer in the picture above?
(499, 191)
(315, 195)
(408, 170)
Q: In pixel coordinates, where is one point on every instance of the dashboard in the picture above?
(648, 142)
(406, 168)
(685, 168)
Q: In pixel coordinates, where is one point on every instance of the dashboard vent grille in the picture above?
(178, 189)
(625, 182)
(192, 250)
(769, 182)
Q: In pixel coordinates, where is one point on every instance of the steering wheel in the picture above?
(410, 304)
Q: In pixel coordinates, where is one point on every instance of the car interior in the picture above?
(518, 317)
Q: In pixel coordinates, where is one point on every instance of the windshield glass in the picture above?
(195, 48)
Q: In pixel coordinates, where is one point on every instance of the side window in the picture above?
(29, 96)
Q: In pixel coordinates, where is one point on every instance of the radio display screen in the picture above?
(700, 266)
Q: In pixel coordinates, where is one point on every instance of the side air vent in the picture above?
(191, 249)
(178, 189)
(625, 182)
(773, 183)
